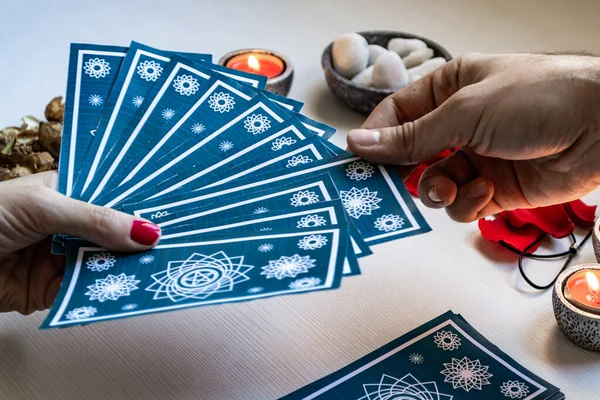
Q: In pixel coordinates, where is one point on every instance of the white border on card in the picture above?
(73, 283)
(145, 117)
(320, 184)
(113, 116)
(227, 160)
(311, 147)
(404, 345)
(192, 149)
(331, 210)
(75, 119)
(324, 192)
(319, 132)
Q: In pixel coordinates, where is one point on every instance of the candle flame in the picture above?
(253, 63)
(592, 282)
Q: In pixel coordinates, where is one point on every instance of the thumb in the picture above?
(444, 128)
(100, 225)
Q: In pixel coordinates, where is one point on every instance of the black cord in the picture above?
(570, 254)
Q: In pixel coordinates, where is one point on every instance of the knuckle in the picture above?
(102, 219)
(402, 140)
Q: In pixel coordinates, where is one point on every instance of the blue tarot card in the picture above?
(100, 285)
(142, 67)
(185, 89)
(444, 359)
(92, 72)
(286, 102)
(320, 129)
(374, 197)
(180, 152)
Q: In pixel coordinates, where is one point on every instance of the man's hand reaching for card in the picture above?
(30, 211)
(528, 127)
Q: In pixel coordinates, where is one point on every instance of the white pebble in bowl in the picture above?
(364, 77)
(428, 66)
(417, 57)
(403, 47)
(350, 54)
(375, 51)
(389, 72)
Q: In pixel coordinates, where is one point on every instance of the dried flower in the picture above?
(40, 161)
(17, 172)
(50, 135)
(55, 110)
(30, 123)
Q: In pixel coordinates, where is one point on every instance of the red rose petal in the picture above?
(552, 219)
(500, 230)
(582, 214)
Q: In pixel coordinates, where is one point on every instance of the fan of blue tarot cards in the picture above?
(444, 359)
(252, 199)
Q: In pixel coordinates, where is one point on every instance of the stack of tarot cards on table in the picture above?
(252, 199)
(444, 359)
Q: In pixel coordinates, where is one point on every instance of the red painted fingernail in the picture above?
(144, 232)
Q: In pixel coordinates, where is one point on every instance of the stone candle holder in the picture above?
(280, 84)
(581, 327)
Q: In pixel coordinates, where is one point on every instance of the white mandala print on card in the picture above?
(466, 374)
(304, 198)
(305, 283)
(389, 223)
(416, 358)
(311, 221)
(137, 101)
(359, 202)
(266, 229)
(257, 124)
(81, 313)
(312, 242)
(265, 247)
(149, 70)
(221, 102)
(297, 160)
(447, 340)
(186, 85)
(129, 307)
(147, 259)
(288, 267)
(112, 287)
(406, 388)
(514, 389)
(198, 128)
(261, 210)
(101, 262)
(278, 143)
(199, 277)
(255, 290)
(95, 100)
(359, 171)
(96, 68)
(168, 113)
(225, 146)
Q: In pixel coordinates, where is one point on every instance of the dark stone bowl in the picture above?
(363, 98)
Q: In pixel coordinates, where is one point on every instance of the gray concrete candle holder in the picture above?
(596, 239)
(581, 327)
(362, 98)
(280, 84)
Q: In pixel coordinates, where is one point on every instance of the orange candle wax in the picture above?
(258, 63)
(583, 290)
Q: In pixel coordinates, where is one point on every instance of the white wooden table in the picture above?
(265, 349)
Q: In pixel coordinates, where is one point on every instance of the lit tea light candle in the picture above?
(268, 65)
(276, 67)
(583, 290)
(576, 303)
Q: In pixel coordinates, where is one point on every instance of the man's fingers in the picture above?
(473, 201)
(439, 183)
(99, 225)
(424, 118)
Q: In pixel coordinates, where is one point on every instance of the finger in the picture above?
(103, 226)
(422, 119)
(473, 201)
(439, 183)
